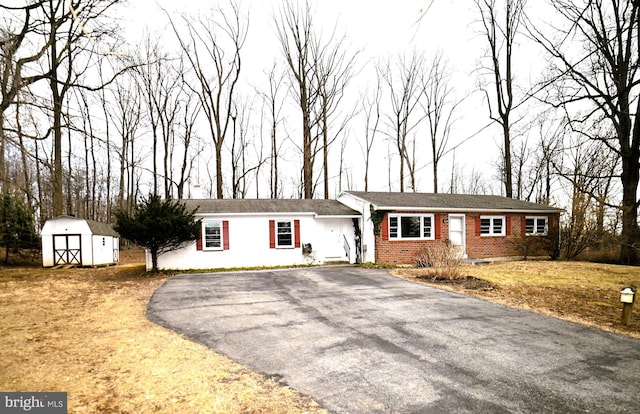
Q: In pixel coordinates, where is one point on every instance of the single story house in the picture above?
(395, 226)
(69, 240)
(266, 232)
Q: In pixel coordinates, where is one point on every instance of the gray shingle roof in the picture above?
(102, 229)
(459, 202)
(97, 228)
(319, 207)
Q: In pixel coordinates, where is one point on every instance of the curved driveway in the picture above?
(361, 341)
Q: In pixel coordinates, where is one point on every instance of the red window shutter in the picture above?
(199, 239)
(523, 222)
(225, 234)
(478, 229)
(384, 227)
(296, 233)
(438, 226)
(272, 234)
(508, 226)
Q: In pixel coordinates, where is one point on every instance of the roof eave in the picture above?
(333, 216)
(255, 213)
(467, 210)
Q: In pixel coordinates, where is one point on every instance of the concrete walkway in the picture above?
(361, 341)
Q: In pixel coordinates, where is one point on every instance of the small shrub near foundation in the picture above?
(440, 260)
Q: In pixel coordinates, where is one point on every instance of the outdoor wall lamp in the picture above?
(627, 297)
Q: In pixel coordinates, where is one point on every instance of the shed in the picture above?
(69, 240)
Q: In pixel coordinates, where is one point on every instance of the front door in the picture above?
(334, 241)
(457, 235)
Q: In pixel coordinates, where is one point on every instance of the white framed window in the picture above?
(537, 226)
(492, 225)
(411, 226)
(284, 233)
(212, 235)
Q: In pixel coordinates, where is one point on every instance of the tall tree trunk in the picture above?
(307, 154)
(630, 233)
(325, 151)
(508, 178)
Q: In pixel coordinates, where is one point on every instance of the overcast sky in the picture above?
(379, 28)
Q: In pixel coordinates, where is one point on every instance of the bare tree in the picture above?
(501, 31)
(538, 162)
(272, 105)
(439, 106)
(18, 23)
(404, 80)
(67, 40)
(212, 45)
(240, 144)
(333, 72)
(598, 85)
(370, 107)
(294, 28)
(190, 111)
(126, 117)
(152, 72)
(90, 162)
(582, 167)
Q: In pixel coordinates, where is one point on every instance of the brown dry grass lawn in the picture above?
(587, 293)
(84, 331)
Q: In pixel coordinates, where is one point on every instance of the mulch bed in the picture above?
(467, 282)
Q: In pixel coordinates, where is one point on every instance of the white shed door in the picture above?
(66, 249)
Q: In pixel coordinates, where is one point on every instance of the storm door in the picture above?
(457, 234)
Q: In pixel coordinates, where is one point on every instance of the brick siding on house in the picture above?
(477, 246)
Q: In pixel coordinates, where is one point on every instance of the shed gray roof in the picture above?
(97, 228)
(457, 202)
(319, 207)
(102, 229)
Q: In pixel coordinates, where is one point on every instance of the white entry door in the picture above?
(333, 241)
(457, 234)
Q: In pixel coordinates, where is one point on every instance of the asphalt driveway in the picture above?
(361, 341)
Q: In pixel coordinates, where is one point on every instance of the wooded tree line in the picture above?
(89, 123)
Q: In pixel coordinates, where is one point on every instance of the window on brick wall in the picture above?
(411, 226)
(492, 225)
(537, 226)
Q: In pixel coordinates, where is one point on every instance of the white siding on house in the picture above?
(366, 225)
(249, 243)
